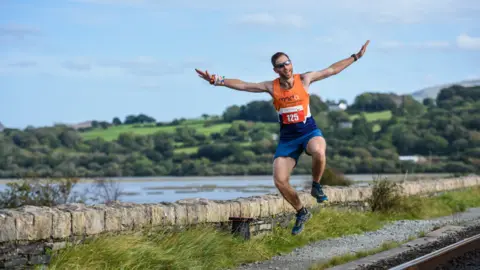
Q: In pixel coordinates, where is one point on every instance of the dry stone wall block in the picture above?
(7, 226)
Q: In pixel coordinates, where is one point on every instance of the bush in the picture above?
(385, 196)
(38, 193)
(52, 192)
(332, 177)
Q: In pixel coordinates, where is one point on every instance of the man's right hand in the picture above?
(204, 75)
(239, 84)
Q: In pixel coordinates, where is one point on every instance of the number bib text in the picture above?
(293, 117)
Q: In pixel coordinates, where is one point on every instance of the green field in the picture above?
(187, 150)
(112, 133)
(194, 149)
(374, 116)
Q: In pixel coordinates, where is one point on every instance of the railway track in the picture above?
(464, 254)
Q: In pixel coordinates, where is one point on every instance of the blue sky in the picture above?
(76, 60)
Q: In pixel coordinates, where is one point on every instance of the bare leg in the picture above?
(316, 148)
(282, 168)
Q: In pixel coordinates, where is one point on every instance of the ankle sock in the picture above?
(302, 210)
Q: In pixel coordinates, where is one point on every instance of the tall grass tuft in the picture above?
(385, 196)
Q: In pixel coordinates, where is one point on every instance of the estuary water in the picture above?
(171, 189)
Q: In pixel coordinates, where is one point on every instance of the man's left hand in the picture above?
(363, 49)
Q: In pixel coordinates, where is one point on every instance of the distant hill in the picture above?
(2, 127)
(432, 92)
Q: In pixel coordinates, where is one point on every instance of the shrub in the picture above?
(38, 193)
(385, 196)
(52, 192)
(332, 177)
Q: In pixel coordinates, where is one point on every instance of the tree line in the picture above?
(445, 131)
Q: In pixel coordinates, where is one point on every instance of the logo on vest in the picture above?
(290, 98)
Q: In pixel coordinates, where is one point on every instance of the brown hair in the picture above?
(276, 56)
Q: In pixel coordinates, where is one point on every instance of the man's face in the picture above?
(283, 67)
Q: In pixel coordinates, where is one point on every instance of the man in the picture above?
(298, 131)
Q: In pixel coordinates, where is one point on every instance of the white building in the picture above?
(415, 159)
(337, 107)
(345, 124)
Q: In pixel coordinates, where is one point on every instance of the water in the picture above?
(170, 189)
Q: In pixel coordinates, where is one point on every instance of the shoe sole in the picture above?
(320, 200)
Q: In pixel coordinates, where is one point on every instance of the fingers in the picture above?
(200, 73)
(364, 48)
(203, 75)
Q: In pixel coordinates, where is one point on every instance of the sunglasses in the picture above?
(281, 65)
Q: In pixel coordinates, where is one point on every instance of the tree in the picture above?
(429, 102)
(116, 121)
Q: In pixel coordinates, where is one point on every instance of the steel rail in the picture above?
(441, 256)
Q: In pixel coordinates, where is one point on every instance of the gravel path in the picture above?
(304, 257)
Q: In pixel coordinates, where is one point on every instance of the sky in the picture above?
(71, 61)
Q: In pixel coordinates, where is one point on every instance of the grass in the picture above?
(113, 132)
(194, 149)
(374, 116)
(187, 150)
(207, 248)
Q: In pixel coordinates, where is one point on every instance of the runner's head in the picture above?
(282, 65)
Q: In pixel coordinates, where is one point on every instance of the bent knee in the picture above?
(280, 180)
(318, 152)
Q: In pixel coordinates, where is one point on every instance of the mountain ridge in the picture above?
(432, 91)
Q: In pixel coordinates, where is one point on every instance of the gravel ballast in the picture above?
(469, 261)
(419, 249)
(322, 251)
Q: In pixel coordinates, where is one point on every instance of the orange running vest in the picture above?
(293, 108)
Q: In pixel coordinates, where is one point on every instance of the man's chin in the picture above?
(288, 75)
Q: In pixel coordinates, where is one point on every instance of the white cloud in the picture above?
(86, 67)
(270, 20)
(325, 39)
(431, 44)
(23, 64)
(395, 44)
(77, 65)
(259, 18)
(473, 77)
(380, 11)
(18, 30)
(391, 44)
(150, 85)
(113, 2)
(465, 41)
(148, 66)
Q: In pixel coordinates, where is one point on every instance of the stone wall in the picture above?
(27, 234)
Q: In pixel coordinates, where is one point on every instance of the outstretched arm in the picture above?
(333, 69)
(236, 83)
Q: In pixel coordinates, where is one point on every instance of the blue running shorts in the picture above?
(294, 148)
